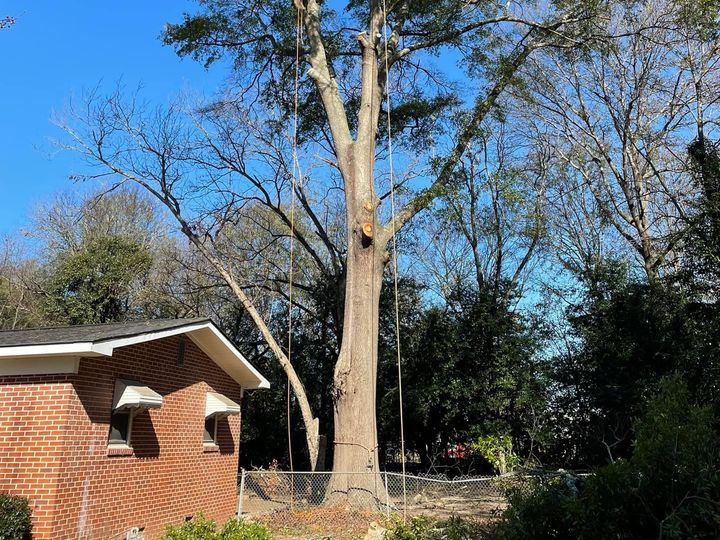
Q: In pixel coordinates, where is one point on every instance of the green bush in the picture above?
(669, 488)
(198, 528)
(498, 450)
(422, 528)
(241, 530)
(15, 517)
(610, 506)
(416, 529)
(201, 528)
(544, 512)
(456, 528)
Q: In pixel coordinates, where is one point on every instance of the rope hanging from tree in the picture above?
(394, 255)
(295, 178)
(293, 181)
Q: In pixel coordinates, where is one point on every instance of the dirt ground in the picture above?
(344, 523)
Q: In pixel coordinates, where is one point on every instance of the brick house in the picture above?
(107, 428)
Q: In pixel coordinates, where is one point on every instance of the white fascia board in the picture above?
(106, 347)
(58, 349)
(194, 332)
(229, 358)
(255, 381)
(89, 348)
(262, 381)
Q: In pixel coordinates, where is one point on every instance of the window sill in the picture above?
(210, 447)
(119, 450)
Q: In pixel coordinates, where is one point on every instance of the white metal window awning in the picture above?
(219, 405)
(132, 394)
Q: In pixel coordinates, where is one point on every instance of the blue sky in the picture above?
(57, 49)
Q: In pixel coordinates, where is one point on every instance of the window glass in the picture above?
(119, 427)
(210, 425)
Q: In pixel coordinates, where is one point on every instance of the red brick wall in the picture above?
(169, 476)
(32, 429)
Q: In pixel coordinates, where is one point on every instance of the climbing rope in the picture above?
(293, 181)
(394, 256)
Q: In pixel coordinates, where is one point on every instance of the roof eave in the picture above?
(204, 334)
(84, 348)
(214, 343)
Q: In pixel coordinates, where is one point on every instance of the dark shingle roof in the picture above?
(90, 332)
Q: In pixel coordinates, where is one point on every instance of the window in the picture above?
(130, 397)
(120, 427)
(216, 406)
(210, 433)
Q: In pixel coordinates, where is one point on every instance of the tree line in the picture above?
(553, 201)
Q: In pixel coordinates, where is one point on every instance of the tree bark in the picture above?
(355, 377)
(356, 368)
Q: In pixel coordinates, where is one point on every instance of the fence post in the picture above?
(387, 497)
(241, 494)
(292, 491)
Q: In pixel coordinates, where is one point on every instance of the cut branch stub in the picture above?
(368, 231)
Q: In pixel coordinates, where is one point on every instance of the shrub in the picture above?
(544, 512)
(610, 506)
(242, 530)
(422, 528)
(457, 528)
(669, 488)
(15, 517)
(198, 528)
(498, 450)
(416, 529)
(201, 528)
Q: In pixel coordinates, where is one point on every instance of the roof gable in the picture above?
(101, 340)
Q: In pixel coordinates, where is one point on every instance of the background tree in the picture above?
(471, 371)
(625, 337)
(489, 225)
(669, 488)
(620, 116)
(703, 243)
(95, 284)
(103, 256)
(18, 301)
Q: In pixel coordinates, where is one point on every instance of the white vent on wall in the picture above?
(134, 534)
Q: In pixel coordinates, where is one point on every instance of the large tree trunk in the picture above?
(356, 369)
(355, 379)
(356, 448)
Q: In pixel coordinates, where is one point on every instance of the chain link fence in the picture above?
(281, 498)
